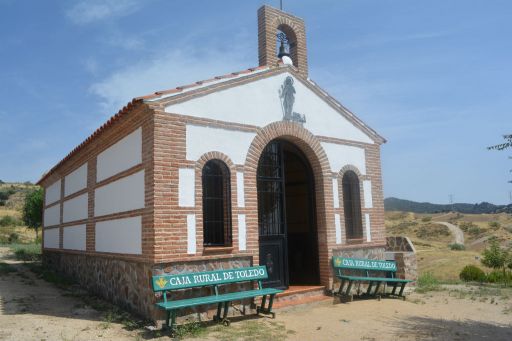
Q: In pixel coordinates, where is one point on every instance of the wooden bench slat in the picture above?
(191, 302)
(374, 279)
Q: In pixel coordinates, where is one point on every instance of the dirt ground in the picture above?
(33, 309)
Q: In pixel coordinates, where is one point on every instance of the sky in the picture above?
(433, 77)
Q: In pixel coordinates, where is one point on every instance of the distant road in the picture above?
(458, 235)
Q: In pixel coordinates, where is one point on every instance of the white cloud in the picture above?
(87, 11)
(125, 42)
(166, 70)
(91, 65)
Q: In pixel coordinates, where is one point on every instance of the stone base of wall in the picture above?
(367, 253)
(128, 284)
(402, 250)
(204, 312)
(121, 282)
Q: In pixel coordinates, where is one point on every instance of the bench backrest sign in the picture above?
(363, 264)
(197, 279)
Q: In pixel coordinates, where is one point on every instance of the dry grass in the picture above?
(433, 252)
(9, 211)
(446, 264)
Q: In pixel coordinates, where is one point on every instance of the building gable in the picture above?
(259, 103)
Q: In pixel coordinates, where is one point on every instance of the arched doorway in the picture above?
(286, 216)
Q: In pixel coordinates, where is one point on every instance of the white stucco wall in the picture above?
(121, 156)
(52, 215)
(335, 193)
(76, 208)
(122, 195)
(74, 237)
(191, 234)
(340, 155)
(51, 238)
(242, 233)
(258, 104)
(337, 225)
(52, 193)
(368, 227)
(234, 144)
(76, 180)
(186, 187)
(240, 192)
(119, 235)
(367, 193)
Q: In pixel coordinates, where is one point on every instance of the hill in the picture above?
(395, 204)
(12, 195)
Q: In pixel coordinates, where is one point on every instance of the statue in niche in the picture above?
(287, 96)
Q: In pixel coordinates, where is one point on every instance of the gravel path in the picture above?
(458, 235)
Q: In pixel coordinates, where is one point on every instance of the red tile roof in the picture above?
(179, 89)
(141, 99)
(98, 131)
(158, 94)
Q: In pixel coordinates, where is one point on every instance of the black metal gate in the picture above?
(272, 215)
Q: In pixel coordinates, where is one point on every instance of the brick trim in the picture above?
(319, 163)
(203, 159)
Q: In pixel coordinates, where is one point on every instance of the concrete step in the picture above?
(295, 295)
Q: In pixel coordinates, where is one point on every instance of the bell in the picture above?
(282, 51)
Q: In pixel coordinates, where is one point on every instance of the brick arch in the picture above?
(291, 30)
(203, 159)
(282, 21)
(353, 168)
(215, 155)
(315, 154)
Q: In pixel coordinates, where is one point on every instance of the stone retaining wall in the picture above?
(128, 284)
(402, 250)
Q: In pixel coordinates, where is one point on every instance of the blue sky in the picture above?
(433, 77)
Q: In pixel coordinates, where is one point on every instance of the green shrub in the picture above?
(466, 225)
(427, 282)
(426, 219)
(27, 252)
(475, 230)
(498, 277)
(457, 247)
(10, 221)
(494, 225)
(432, 231)
(13, 238)
(472, 273)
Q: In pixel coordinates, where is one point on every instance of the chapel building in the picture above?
(260, 166)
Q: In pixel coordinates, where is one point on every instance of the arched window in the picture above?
(352, 205)
(216, 204)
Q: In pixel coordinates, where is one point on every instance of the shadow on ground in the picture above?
(423, 328)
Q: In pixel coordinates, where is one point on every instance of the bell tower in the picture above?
(274, 25)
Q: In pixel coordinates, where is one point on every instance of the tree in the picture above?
(33, 210)
(503, 146)
(495, 257)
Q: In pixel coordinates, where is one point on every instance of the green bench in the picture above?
(215, 280)
(375, 272)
